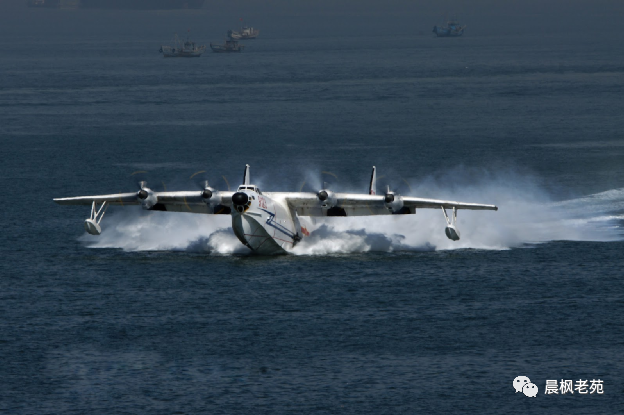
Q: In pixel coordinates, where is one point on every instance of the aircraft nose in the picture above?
(240, 199)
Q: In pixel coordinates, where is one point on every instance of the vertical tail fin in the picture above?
(246, 178)
(372, 190)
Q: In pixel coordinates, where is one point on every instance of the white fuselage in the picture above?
(267, 225)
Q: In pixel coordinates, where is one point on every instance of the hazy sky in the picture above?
(553, 7)
(333, 17)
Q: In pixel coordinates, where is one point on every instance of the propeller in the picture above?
(321, 184)
(324, 180)
(394, 185)
(146, 195)
(393, 189)
(142, 193)
(141, 177)
(202, 181)
(210, 194)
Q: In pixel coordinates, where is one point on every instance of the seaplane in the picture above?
(271, 223)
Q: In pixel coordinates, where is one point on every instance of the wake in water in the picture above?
(526, 215)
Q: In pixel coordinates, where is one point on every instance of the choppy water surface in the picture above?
(169, 313)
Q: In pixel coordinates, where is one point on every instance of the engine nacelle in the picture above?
(207, 194)
(327, 198)
(394, 203)
(211, 196)
(147, 198)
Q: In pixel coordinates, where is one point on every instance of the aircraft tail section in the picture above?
(246, 178)
(372, 189)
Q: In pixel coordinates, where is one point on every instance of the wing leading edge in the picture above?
(354, 204)
(447, 204)
(112, 199)
(184, 201)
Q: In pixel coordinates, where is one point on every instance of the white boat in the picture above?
(186, 49)
(244, 33)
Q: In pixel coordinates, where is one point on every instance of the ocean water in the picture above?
(168, 313)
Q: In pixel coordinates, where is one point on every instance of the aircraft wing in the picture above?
(114, 199)
(447, 204)
(183, 201)
(354, 204)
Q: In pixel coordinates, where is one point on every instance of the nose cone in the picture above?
(240, 199)
(142, 194)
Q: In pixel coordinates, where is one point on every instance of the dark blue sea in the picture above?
(168, 313)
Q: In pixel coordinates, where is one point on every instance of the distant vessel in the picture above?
(48, 4)
(119, 4)
(228, 46)
(244, 33)
(452, 29)
(186, 49)
(142, 4)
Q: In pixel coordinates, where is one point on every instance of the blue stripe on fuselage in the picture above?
(271, 222)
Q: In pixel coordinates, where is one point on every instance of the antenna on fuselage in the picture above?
(246, 178)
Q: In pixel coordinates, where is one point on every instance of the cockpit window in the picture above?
(252, 188)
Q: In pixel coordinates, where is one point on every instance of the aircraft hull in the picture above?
(267, 226)
(250, 231)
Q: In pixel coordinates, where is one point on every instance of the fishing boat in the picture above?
(244, 33)
(142, 4)
(117, 4)
(48, 4)
(452, 29)
(228, 46)
(186, 49)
